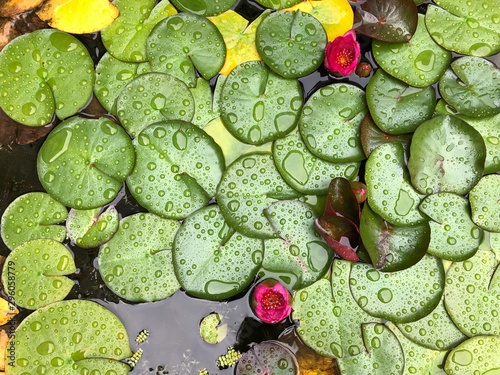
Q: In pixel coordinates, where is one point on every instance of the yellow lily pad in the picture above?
(336, 16)
(7, 311)
(78, 16)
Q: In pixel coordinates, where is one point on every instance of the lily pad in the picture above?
(397, 107)
(177, 169)
(466, 27)
(476, 355)
(277, 4)
(484, 203)
(257, 105)
(211, 331)
(268, 357)
(204, 7)
(247, 187)
(92, 228)
(388, 20)
(32, 216)
(125, 38)
(419, 62)
(55, 75)
(401, 296)
(206, 104)
(153, 97)
(84, 162)
(446, 155)
(211, 260)
(453, 234)
(305, 172)
(292, 44)
(299, 255)
(331, 120)
(193, 44)
(472, 294)
(393, 248)
(390, 193)
(136, 264)
(71, 337)
(472, 86)
(36, 269)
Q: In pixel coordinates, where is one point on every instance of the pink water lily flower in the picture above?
(342, 54)
(271, 301)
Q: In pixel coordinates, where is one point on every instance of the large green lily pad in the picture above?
(84, 162)
(92, 228)
(331, 120)
(43, 73)
(211, 260)
(136, 264)
(35, 273)
(177, 169)
(70, 337)
(466, 27)
(32, 216)
(477, 355)
(204, 7)
(278, 4)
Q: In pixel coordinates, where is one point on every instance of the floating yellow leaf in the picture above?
(4, 340)
(78, 16)
(9, 8)
(336, 16)
(239, 37)
(7, 311)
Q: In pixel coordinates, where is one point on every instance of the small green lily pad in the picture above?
(70, 337)
(292, 44)
(204, 7)
(211, 260)
(185, 43)
(257, 105)
(36, 270)
(43, 73)
(32, 216)
(397, 107)
(419, 62)
(211, 331)
(206, 104)
(447, 154)
(177, 169)
(453, 234)
(92, 228)
(331, 120)
(125, 38)
(483, 200)
(477, 355)
(136, 264)
(401, 296)
(84, 162)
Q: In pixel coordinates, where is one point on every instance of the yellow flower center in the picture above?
(345, 57)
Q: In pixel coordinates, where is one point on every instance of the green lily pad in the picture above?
(472, 86)
(390, 193)
(268, 357)
(401, 296)
(151, 98)
(336, 333)
(211, 331)
(299, 255)
(419, 62)
(125, 38)
(393, 248)
(211, 260)
(453, 234)
(70, 337)
(472, 294)
(35, 271)
(446, 155)
(247, 187)
(305, 172)
(32, 216)
(483, 200)
(43, 73)
(383, 355)
(206, 104)
(258, 105)
(84, 162)
(477, 355)
(193, 44)
(292, 44)
(92, 228)
(466, 27)
(277, 4)
(136, 264)
(112, 75)
(204, 7)
(397, 107)
(331, 120)
(177, 169)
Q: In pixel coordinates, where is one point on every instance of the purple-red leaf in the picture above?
(341, 201)
(340, 234)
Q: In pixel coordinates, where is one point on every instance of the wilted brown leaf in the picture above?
(9, 8)
(13, 132)
(17, 25)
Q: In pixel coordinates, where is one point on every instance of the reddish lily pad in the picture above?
(269, 357)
